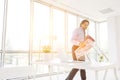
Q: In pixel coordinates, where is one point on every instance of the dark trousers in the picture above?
(74, 70)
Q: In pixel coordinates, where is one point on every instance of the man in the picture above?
(77, 39)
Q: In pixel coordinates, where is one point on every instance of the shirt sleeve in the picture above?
(74, 37)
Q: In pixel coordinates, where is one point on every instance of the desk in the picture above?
(82, 65)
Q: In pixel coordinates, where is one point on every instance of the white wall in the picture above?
(114, 38)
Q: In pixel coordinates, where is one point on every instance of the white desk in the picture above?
(83, 65)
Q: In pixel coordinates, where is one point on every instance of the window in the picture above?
(58, 29)
(36, 57)
(16, 59)
(0, 59)
(18, 23)
(103, 36)
(72, 24)
(1, 20)
(41, 26)
(80, 20)
(91, 29)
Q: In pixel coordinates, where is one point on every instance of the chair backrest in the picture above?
(15, 72)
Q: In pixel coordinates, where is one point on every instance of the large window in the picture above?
(58, 29)
(51, 26)
(41, 26)
(1, 20)
(72, 24)
(18, 22)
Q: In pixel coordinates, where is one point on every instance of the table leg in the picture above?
(96, 75)
(115, 72)
(50, 73)
(58, 71)
(104, 77)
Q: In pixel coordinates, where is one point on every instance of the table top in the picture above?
(79, 64)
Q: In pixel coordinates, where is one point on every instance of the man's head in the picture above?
(84, 24)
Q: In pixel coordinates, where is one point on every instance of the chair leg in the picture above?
(115, 72)
(96, 75)
(104, 77)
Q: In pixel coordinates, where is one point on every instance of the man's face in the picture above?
(85, 25)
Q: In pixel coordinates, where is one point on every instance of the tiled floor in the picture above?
(90, 76)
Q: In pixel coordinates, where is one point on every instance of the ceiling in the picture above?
(93, 8)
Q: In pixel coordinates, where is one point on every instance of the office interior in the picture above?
(34, 33)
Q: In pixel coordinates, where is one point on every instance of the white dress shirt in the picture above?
(78, 36)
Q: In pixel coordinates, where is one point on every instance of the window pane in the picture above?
(103, 35)
(0, 60)
(91, 29)
(41, 25)
(18, 23)
(1, 19)
(35, 57)
(72, 24)
(80, 20)
(58, 29)
(15, 59)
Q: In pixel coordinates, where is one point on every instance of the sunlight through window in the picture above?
(41, 26)
(59, 29)
(18, 23)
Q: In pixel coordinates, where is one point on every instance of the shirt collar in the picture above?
(82, 28)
